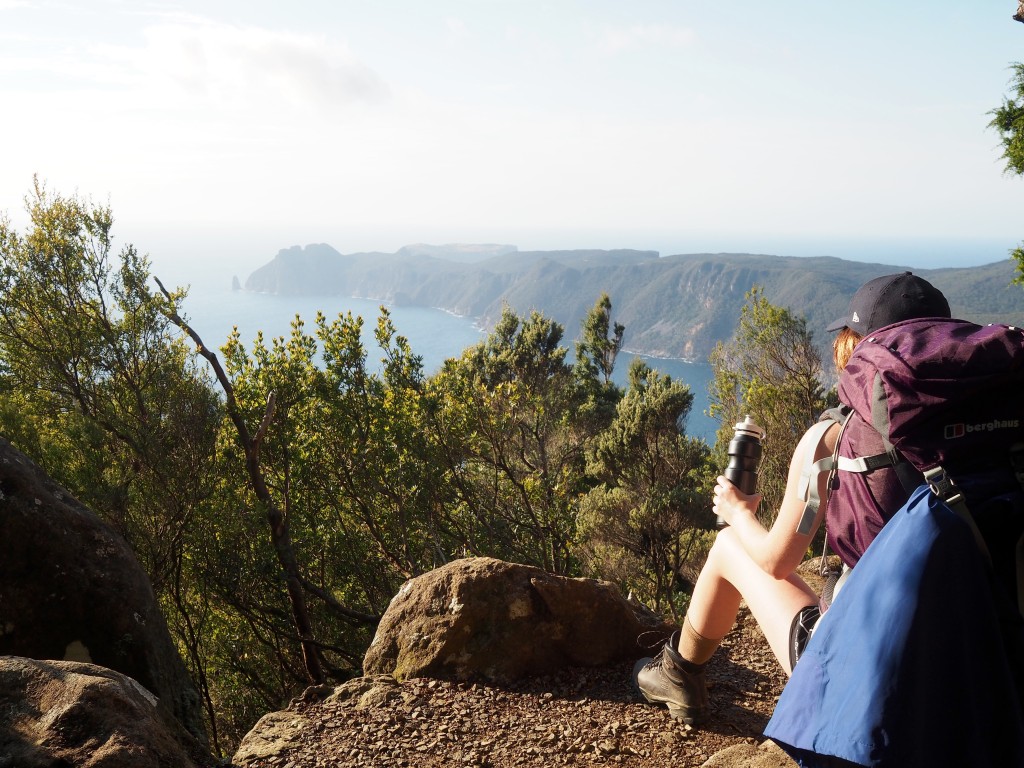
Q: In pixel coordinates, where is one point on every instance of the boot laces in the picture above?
(645, 641)
(655, 663)
(658, 661)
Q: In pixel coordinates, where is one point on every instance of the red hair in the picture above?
(843, 346)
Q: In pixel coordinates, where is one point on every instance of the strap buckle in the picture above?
(942, 485)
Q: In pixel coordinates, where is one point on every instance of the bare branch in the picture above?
(280, 534)
(331, 602)
(268, 417)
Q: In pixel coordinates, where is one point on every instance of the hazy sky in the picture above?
(786, 127)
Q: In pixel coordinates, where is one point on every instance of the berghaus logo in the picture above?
(954, 431)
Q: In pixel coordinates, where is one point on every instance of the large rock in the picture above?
(484, 618)
(65, 713)
(767, 754)
(71, 588)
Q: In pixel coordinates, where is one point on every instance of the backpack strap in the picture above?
(808, 487)
(867, 463)
(1017, 463)
(1020, 575)
(909, 477)
(942, 485)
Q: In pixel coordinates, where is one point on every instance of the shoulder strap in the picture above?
(808, 488)
(942, 485)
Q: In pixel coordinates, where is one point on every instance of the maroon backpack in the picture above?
(939, 401)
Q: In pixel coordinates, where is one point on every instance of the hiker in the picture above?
(759, 566)
(920, 663)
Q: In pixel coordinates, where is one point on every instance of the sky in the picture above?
(220, 132)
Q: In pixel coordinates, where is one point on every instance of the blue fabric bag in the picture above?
(917, 663)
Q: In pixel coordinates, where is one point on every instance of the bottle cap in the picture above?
(749, 427)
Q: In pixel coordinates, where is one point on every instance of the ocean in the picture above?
(433, 334)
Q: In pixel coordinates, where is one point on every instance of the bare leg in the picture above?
(730, 575)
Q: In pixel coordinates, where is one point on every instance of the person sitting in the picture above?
(749, 563)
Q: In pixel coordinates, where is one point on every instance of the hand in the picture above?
(730, 502)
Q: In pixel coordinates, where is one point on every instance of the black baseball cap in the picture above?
(890, 299)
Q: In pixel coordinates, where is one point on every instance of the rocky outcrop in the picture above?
(72, 589)
(577, 717)
(458, 622)
(278, 733)
(64, 713)
(481, 618)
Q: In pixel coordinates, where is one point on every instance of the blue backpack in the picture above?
(918, 662)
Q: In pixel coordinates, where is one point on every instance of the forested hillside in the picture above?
(676, 306)
(279, 495)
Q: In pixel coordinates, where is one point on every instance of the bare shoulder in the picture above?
(829, 439)
(816, 443)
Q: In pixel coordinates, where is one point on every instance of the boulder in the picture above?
(276, 736)
(282, 738)
(767, 754)
(71, 588)
(501, 622)
(66, 713)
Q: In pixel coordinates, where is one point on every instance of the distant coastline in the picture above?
(674, 307)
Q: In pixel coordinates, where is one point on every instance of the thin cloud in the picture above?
(613, 40)
(457, 29)
(241, 67)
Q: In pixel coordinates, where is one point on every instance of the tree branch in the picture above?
(280, 535)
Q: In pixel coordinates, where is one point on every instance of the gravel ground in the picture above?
(578, 717)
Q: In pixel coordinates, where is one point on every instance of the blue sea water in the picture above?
(433, 334)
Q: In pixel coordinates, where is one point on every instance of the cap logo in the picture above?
(856, 317)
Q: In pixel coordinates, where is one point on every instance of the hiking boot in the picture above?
(669, 679)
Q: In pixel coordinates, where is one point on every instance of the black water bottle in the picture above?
(744, 456)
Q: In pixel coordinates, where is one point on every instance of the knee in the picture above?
(726, 541)
(726, 547)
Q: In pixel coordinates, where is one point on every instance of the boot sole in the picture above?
(676, 712)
